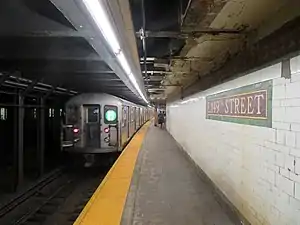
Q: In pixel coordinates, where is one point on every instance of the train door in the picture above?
(137, 118)
(130, 121)
(125, 127)
(91, 126)
(110, 137)
(141, 116)
(133, 120)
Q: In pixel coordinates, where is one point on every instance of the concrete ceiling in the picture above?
(57, 43)
(184, 42)
(198, 51)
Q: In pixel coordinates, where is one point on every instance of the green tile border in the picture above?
(266, 85)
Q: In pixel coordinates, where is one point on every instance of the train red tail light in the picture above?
(75, 130)
(106, 130)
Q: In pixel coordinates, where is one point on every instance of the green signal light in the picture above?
(110, 115)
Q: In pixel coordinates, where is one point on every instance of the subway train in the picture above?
(97, 124)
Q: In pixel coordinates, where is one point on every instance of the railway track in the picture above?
(15, 202)
(57, 199)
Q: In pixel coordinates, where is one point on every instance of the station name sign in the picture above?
(250, 104)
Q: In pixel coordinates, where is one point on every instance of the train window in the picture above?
(3, 113)
(124, 117)
(110, 114)
(132, 114)
(93, 114)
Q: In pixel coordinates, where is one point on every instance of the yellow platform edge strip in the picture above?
(106, 205)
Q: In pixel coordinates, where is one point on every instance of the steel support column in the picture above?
(19, 139)
(57, 129)
(41, 135)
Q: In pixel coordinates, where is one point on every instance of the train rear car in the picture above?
(97, 125)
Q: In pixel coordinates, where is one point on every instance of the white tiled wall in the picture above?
(257, 168)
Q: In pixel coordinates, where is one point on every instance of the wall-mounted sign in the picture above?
(250, 105)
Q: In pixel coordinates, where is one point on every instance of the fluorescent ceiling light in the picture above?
(124, 63)
(126, 67)
(133, 80)
(99, 15)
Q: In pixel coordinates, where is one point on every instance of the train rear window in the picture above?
(110, 114)
(93, 114)
(72, 112)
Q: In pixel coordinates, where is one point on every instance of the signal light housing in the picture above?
(75, 130)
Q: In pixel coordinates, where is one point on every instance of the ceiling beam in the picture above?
(178, 58)
(92, 72)
(162, 85)
(151, 67)
(165, 72)
(98, 78)
(52, 57)
(154, 78)
(185, 34)
(183, 58)
(49, 33)
(98, 84)
(156, 89)
(55, 66)
(47, 49)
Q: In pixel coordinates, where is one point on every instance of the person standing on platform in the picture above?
(161, 119)
(155, 117)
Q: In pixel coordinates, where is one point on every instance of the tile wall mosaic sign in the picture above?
(251, 105)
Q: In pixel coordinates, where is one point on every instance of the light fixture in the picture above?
(101, 19)
(131, 77)
(99, 15)
(124, 63)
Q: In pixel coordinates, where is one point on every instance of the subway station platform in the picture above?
(153, 182)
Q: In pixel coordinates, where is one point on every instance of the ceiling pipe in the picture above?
(143, 38)
(185, 34)
(185, 12)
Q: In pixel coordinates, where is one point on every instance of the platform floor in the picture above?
(153, 183)
(166, 188)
